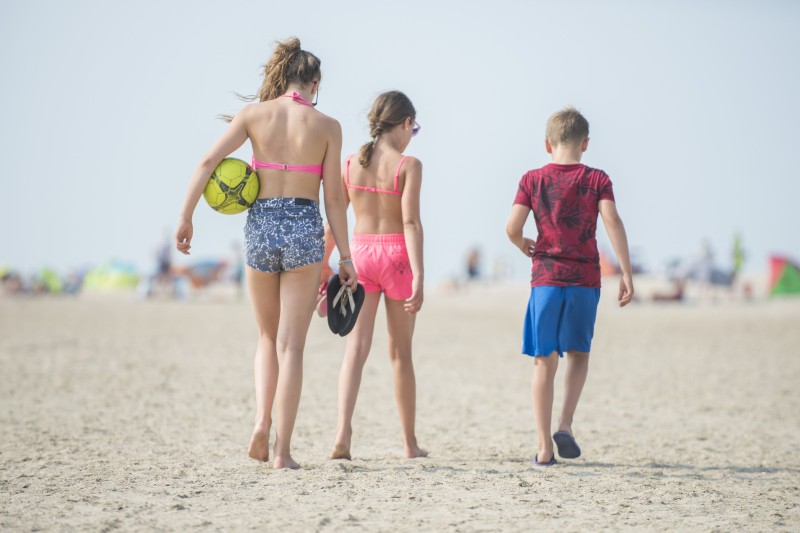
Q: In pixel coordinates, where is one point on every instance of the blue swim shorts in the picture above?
(283, 234)
(559, 319)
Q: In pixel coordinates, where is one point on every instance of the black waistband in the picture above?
(284, 202)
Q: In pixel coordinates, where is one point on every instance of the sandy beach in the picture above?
(133, 415)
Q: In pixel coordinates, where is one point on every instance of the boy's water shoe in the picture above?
(567, 447)
(551, 462)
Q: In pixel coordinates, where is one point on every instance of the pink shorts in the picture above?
(381, 261)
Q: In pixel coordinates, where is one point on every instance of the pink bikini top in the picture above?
(374, 189)
(311, 169)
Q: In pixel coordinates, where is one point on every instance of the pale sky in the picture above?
(693, 106)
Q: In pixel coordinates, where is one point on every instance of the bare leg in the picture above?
(359, 342)
(544, 374)
(574, 379)
(401, 331)
(298, 296)
(265, 296)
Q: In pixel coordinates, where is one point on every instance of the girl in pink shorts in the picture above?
(382, 258)
(383, 186)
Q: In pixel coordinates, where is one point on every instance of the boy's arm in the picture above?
(516, 221)
(619, 241)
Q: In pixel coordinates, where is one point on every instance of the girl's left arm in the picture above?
(335, 207)
(330, 242)
(412, 229)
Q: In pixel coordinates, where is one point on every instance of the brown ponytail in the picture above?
(288, 64)
(388, 110)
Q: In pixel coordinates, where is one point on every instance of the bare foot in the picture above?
(564, 428)
(259, 443)
(415, 451)
(284, 462)
(340, 451)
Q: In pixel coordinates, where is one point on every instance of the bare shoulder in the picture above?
(248, 111)
(329, 123)
(413, 166)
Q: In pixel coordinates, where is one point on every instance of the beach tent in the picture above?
(50, 281)
(784, 276)
(111, 276)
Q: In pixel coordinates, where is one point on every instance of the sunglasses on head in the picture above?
(415, 129)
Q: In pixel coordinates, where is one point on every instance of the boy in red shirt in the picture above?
(565, 197)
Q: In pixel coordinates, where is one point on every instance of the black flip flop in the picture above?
(343, 306)
(358, 300)
(567, 447)
(335, 321)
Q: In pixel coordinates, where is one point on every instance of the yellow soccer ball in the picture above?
(232, 187)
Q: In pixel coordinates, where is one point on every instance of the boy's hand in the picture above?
(527, 246)
(625, 290)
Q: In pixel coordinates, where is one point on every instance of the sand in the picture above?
(132, 415)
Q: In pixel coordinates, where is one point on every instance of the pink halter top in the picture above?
(311, 169)
(374, 189)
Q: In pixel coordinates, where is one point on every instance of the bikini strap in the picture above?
(297, 98)
(397, 173)
(347, 172)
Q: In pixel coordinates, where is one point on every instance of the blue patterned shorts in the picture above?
(283, 234)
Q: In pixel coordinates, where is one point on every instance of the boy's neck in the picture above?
(566, 157)
(566, 154)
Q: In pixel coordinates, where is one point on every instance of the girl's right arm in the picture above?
(233, 138)
(412, 229)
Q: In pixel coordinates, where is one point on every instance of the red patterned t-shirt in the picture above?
(564, 200)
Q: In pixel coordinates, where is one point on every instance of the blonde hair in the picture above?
(567, 126)
(388, 110)
(288, 64)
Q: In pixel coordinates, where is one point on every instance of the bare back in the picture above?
(285, 132)
(377, 212)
